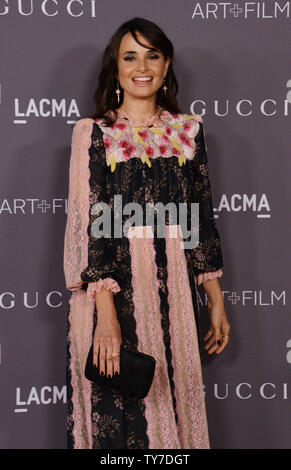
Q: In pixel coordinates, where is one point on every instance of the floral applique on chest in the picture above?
(169, 135)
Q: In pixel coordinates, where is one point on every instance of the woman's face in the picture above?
(135, 61)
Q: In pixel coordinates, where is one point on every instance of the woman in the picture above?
(142, 288)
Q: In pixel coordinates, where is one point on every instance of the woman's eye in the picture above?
(152, 56)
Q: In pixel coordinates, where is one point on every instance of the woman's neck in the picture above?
(139, 110)
(155, 120)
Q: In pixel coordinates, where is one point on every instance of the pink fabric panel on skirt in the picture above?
(189, 393)
(80, 336)
(161, 430)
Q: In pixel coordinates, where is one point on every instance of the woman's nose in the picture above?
(142, 65)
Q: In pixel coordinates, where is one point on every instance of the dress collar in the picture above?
(156, 120)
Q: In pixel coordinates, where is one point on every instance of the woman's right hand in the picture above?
(107, 335)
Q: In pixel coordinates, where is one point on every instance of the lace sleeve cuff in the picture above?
(96, 286)
(202, 277)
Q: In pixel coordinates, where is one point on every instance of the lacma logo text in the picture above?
(47, 395)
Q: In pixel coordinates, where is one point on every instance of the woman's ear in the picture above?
(167, 63)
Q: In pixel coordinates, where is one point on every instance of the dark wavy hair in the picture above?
(105, 97)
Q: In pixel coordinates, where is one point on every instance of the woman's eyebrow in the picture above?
(152, 49)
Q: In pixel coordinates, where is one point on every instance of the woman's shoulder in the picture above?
(84, 123)
(86, 127)
(187, 117)
(190, 124)
(182, 118)
(82, 128)
(197, 117)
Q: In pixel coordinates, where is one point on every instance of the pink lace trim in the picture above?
(80, 337)
(202, 277)
(96, 286)
(76, 236)
(161, 427)
(187, 371)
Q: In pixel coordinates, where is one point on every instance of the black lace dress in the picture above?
(154, 279)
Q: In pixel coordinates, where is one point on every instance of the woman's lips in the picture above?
(142, 82)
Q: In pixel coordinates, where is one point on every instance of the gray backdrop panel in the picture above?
(232, 68)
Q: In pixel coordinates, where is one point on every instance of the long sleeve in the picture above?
(86, 259)
(207, 257)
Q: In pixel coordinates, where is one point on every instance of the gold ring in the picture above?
(115, 354)
(223, 336)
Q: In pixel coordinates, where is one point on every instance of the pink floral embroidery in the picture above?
(149, 151)
(129, 148)
(186, 126)
(165, 138)
(123, 144)
(143, 134)
(163, 149)
(107, 142)
(184, 139)
(169, 135)
(113, 126)
(120, 126)
(126, 154)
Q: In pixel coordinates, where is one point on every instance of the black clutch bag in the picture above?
(135, 377)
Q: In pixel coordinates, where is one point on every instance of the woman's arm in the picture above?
(207, 257)
(213, 290)
(101, 273)
(107, 336)
(217, 336)
(87, 260)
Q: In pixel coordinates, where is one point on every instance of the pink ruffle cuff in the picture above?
(202, 277)
(96, 286)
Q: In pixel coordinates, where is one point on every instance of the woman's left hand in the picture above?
(219, 326)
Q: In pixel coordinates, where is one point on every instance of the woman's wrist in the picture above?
(217, 300)
(213, 291)
(104, 303)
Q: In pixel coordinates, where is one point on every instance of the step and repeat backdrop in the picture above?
(233, 67)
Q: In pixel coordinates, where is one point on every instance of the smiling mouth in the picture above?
(142, 79)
